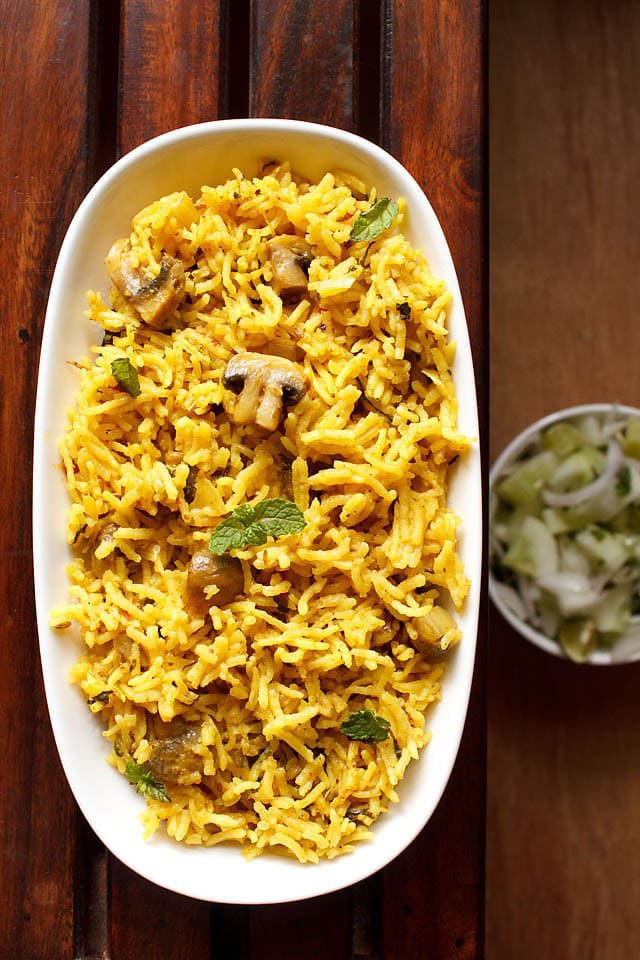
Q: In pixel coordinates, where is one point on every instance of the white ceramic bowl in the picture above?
(187, 159)
(510, 453)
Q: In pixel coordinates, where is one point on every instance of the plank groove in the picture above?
(320, 924)
(303, 67)
(434, 118)
(302, 63)
(169, 77)
(89, 79)
(170, 68)
(150, 922)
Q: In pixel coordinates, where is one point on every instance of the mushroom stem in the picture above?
(247, 403)
(264, 384)
(270, 407)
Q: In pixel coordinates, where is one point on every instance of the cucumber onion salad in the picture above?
(565, 535)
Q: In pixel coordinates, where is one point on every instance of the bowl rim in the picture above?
(364, 865)
(599, 658)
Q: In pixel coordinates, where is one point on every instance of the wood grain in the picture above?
(434, 123)
(563, 851)
(170, 67)
(150, 922)
(302, 60)
(82, 81)
(302, 67)
(42, 178)
(320, 927)
(565, 142)
(170, 77)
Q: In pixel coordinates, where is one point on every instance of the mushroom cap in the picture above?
(264, 383)
(290, 258)
(206, 570)
(275, 370)
(155, 298)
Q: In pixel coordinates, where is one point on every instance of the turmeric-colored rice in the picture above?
(326, 624)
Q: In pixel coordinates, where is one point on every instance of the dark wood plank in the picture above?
(170, 67)
(565, 209)
(302, 66)
(42, 178)
(302, 63)
(170, 77)
(433, 122)
(320, 926)
(148, 921)
(170, 70)
(91, 904)
(563, 844)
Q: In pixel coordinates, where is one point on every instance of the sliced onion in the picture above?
(574, 592)
(511, 599)
(592, 490)
(627, 647)
(529, 594)
(612, 428)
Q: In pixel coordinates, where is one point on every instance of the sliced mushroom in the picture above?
(264, 383)
(155, 298)
(171, 754)
(430, 629)
(207, 570)
(291, 258)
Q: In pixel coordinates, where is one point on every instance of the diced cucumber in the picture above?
(628, 520)
(577, 638)
(554, 520)
(631, 438)
(607, 641)
(533, 551)
(575, 593)
(510, 524)
(550, 617)
(562, 439)
(628, 483)
(608, 551)
(606, 507)
(613, 611)
(524, 484)
(571, 558)
(590, 427)
(577, 470)
(577, 518)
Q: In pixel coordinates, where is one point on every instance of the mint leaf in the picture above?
(367, 726)
(144, 781)
(623, 482)
(126, 375)
(249, 525)
(102, 697)
(375, 220)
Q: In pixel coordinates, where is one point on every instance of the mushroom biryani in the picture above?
(264, 562)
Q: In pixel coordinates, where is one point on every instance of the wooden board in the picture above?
(170, 68)
(433, 892)
(563, 795)
(43, 176)
(113, 75)
(179, 85)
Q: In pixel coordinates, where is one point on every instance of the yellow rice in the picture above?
(270, 677)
